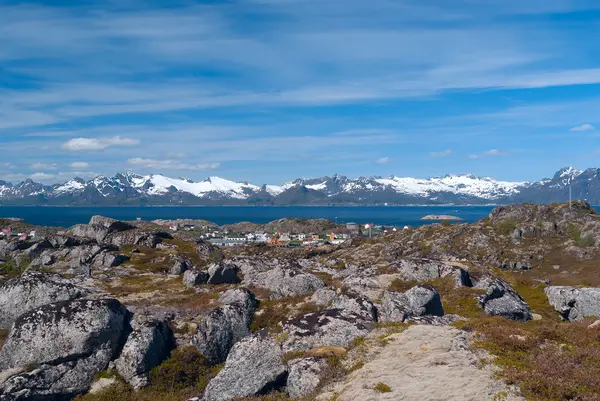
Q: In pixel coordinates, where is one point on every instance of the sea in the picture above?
(397, 216)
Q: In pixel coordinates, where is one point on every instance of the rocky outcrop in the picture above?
(226, 325)
(147, 346)
(304, 376)
(106, 260)
(32, 290)
(421, 270)
(331, 327)
(349, 301)
(118, 233)
(208, 253)
(574, 304)
(420, 300)
(254, 367)
(221, 273)
(500, 299)
(63, 345)
(180, 265)
(286, 282)
(193, 278)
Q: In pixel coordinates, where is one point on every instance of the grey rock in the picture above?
(147, 346)
(107, 260)
(500, 299)
(209, 253)
(574, 304)
(193, 278)
(32, 290)
(225, 325)
(254, 367)
(350, 301)
(286, 282)
(324, 297)
(331, 327)
(425, 269)
(111, 225)
(36, 249)
(420, 300)
(304, 376)
(180, 265)
(67, 343)
(221, 273)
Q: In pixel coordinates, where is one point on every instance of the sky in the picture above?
(267, 91)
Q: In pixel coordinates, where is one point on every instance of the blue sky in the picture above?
(271, 90)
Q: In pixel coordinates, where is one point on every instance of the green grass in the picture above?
(382, 388)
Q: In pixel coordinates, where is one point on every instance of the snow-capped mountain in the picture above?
(133, 189)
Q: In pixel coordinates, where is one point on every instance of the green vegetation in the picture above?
(583, 241)
(271, 312)
(382, 388)
(12, 268)
(506, 227)
(401, 285)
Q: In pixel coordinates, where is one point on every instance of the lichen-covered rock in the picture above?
(147, 346)
(106, 260)
(254, 367)
(574, 304)
(420, 300)
(226, 325)
(180, 265)
(331, 327)
(304, 376)
(500, 299)
(286, 282)
(67, 343)
(112, 225)
(350, 301)
(193, 278)
(32, 290)
(221, 273)
(425, 269)
(208, 253)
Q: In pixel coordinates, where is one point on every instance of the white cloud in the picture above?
(443, 153)
(383, 160)
(43, 166)
(95, 144)
(79, 165)
(171, 164)
(491, 152)
(583, 127)
(42, 177)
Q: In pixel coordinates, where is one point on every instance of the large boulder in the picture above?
(254, 367)
(500, 299)
(112, 225)
(208, 253)
(421, 270)
(349, 300)
(147, 346)
(180, 265)
(222, 273)
(32, 290)
(331, 327)
(286, 282)
(63, 345)
(574, 304)
(305, 375)
(107, 260)
(193, 278)
(420, 300)
(226, 325)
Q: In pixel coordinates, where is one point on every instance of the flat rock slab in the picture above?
(424, 363)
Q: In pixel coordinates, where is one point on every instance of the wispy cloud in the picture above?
(43, 166)
(583, 127)
(79, 165)
(95, 144)
(171, 165)
(491, 152)
(383, 160)
(443, 153)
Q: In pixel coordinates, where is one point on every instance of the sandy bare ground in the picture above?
(424, 363)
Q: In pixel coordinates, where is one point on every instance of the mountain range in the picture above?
(133, 189)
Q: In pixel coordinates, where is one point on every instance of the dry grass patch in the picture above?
(271, 312)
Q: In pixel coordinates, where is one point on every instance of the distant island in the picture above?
(441, 217)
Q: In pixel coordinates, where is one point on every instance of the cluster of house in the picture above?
(276, 239)
(9, 233)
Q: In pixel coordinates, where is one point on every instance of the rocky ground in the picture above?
(502, 309)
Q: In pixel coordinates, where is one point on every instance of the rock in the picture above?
(180, 265)
(441, 217)
(331, 327)
(137, 237)
(304, 376)
(254, 367)
(209, 253)
(32, 290)
(501, 299)
(67, 343)
(220, 273)
(420, 300)
(574, 304)
(112, 225)
(594, 325)
(536, 316)
(350, 301)
(421, 270)
(36, 249)
(226, 325)
(106, 260)
(193, 278)
(147, 346)
(286, 282)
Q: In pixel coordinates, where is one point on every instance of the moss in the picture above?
(382, 388)
(3, 336)
(506, 227)
(401, 285)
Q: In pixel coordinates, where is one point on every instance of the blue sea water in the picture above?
(381, 215)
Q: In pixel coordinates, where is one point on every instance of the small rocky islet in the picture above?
(495, 310)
